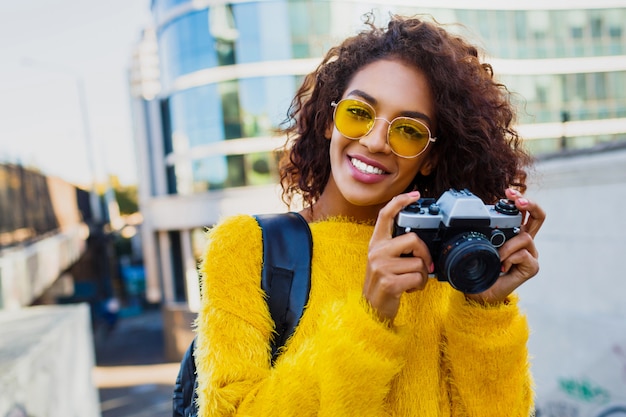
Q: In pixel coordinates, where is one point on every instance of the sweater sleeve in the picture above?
(487, 360)
(344, 367)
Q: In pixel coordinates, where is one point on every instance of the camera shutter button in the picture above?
(433, 209)
(413, 208)
(506, 206)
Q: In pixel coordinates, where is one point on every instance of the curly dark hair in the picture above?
(477, 146)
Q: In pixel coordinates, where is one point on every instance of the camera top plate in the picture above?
(457, 208)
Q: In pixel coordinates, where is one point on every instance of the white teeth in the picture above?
(365, 168)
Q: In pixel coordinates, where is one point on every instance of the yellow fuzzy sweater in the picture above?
(444, 356)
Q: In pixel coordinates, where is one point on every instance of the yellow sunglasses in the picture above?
(407, 137)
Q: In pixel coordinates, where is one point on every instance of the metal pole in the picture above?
(564, 120)
(88, 140)
(95, 200)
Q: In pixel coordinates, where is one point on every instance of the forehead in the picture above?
(394, 87)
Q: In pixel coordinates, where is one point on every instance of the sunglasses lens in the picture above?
(353, 118)
(408, 137)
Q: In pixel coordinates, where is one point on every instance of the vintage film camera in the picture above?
(463, 236)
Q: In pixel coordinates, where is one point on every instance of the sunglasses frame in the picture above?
(431, 139)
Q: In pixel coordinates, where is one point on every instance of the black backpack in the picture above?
(286, 279)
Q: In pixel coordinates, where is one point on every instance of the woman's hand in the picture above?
(518, 255)
(388, 274)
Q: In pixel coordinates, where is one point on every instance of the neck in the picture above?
(326, 207)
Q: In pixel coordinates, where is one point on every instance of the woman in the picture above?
(389, 116)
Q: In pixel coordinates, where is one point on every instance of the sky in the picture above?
(48, 49)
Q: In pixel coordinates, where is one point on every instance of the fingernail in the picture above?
(522, 201)
(414, 193)
(431, 268)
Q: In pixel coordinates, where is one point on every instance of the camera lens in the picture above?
(469, 262)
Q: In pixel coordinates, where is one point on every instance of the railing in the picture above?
(42, 232)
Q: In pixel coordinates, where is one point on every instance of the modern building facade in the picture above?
(227, 71)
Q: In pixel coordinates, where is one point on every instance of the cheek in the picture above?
(335, 152)
(338, 143)
(406, 174)
(408, 170)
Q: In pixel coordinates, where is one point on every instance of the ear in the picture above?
(328, 133)
(428, 166)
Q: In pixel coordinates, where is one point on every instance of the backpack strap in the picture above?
(184, 399)
(286, 279)
(286, 275)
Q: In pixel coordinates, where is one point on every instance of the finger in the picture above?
(385, 259)
(418, 282)
(394, 285)
(408, 265)
(384, 292)
(410, 244)
(511, 250)
(523, 267)
(533, 214)
(386, 215)
(523, 241)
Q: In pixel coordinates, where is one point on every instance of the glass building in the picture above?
(213, 79)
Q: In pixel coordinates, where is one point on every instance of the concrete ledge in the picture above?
(46, 362)
(27, 271)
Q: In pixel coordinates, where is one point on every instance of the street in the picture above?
(131, 374)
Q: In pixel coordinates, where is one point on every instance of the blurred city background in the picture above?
(129, 126)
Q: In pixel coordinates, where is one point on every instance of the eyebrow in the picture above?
(369, 98)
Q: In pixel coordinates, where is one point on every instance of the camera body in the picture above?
(462, 235)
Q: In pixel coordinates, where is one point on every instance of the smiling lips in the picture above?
(366, 168)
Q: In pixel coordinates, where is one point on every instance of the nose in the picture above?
(376, 140)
